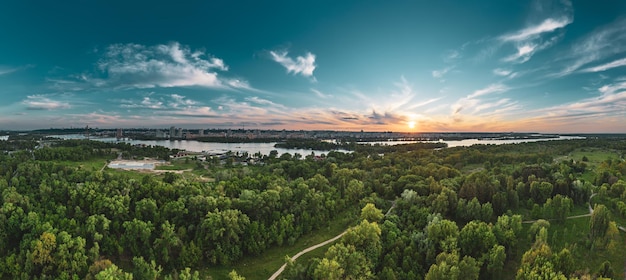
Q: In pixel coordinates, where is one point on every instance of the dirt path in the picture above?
(103, 167)
(573, 217)
(280, 270)
(393, 205)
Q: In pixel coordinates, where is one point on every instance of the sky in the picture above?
(414, 66)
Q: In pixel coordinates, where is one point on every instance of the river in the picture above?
(266, 148)
(210, 147)
(470, 142)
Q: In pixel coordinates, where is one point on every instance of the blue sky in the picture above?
(540, 66)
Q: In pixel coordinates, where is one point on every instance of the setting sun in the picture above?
(411, 124)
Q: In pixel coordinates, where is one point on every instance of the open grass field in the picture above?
(92, 164)
(263, 266)
(178, 164)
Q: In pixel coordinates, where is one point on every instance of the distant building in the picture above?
(119, 134)
(172, 132)
(160, 134)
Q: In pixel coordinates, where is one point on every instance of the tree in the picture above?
(167, 245)
(540, 192)
(599, 224)
(606, 270)
(476, 239)
(42, 253)
(537, 263)
(143, 270)
(448, 266)
(536, 227)
(365, 237)
(564, 262)
(495, 261)
(441, 233)
(371, 213)
(233, 275)
(96, 267)
(507, 230)
(170, 177)
(445, 202)
(355, 190)
(354, 263)
(137, 237)
(328, 270)
(221, 235)
(559, 207)
(190, 254)
(113, 273)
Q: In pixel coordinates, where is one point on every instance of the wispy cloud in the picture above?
(424, 103)
(607, 66)
(591, 113)
(171, 65)
(493, 88)
(439, 74)
(502, 72)
(600, 44)
(7, 70)
(4, 70)
(181, 101)
(541, 34)
(534, 31)
(321, 94)
(43, 102)
(524, 53)
(147, 102)
(170, 105)
(303, 65)
(473, 102)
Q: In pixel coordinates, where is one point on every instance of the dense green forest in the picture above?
(482, 212)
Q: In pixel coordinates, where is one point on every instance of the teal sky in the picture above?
(542, 66)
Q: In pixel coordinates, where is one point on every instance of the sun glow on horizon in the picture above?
(411, 124)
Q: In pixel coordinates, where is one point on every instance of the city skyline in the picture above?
(411, 66)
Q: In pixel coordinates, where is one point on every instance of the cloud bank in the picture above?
(171, 65)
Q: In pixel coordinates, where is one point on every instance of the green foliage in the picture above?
(61, 217)
(476, 239)
(448, 266)
(606, 270)
(329, 269)
(537, 263)
(599, 222)
(113, 273)
(558, 207)
(371, 213)
(233, 275)
(143, 270)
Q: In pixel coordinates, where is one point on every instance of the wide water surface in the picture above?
(266, 148)
(470, 142)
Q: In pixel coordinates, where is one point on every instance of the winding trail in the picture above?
(280, 270)
(573, 217)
